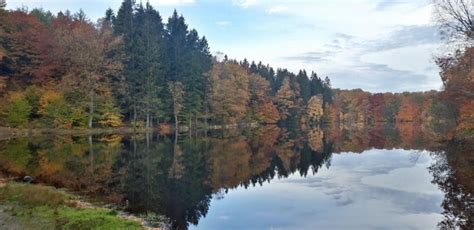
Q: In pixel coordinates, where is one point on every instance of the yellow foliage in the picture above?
(111, 120)
(314, 109)
(48, 98)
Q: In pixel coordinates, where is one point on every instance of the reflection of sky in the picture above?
(378, 189)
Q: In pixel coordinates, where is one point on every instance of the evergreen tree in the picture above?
(123, 25)
(188, 59)
(327, 92)
(253, 68)
(109, 15)
(316, 85)
(303, 81)
(150, 38)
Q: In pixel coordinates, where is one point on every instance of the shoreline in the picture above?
(9, 133)
(13, 208)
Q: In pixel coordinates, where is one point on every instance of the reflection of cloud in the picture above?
(383, 175)
(339, 197)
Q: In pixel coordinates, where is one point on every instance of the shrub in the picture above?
(18, 110)
(55, 110)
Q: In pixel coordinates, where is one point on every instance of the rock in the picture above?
(28, 179)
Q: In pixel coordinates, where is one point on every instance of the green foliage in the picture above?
(56, 111)
(45, 17)
(444, 116)
(93, 219)
(38, 195)
(109, 114)
(442, 110)
(16, 155)
(53, 208)
(33, 95)
(304, 83)
(18, 111)
(391, 110)
(78, 116)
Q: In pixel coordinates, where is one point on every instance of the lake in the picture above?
(378, 177)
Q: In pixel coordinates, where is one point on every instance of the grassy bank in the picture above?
(26, 206)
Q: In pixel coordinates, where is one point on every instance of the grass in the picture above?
(43, 207)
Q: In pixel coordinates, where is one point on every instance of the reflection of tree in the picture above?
(177, 177)
(383, 136)
(148, 182)
(61, 161)
(452, 172)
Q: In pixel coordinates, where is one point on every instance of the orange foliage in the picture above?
(459, 89)
(408, 111)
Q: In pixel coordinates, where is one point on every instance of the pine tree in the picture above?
(152, 36)
(109, 15)
(327, 92)
(188, 59)
(304, 83)
(123, 25)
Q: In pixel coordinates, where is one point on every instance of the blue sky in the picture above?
(375, 45)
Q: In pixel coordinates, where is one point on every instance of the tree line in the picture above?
(131, 68)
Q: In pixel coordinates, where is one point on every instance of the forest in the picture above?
(64, 71)
(132, 69)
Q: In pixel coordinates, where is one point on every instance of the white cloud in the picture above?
(277, 9)
(387, 45)
(171, 2)
(245, 3)
(223, 23)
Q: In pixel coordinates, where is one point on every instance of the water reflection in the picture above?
(199, 179)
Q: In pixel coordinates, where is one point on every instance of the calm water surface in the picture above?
(382, 177)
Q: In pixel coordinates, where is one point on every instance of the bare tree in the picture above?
(456, 18)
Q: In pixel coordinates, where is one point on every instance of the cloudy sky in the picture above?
(375, 45)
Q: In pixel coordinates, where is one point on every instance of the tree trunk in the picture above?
(196, 122)
(148, 124)
(176, 121)
(134, 115)
(91, 153)
(189, 129)
(91, 108)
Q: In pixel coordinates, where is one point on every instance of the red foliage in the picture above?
(376, 107)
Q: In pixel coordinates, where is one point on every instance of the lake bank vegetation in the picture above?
(27, 206)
